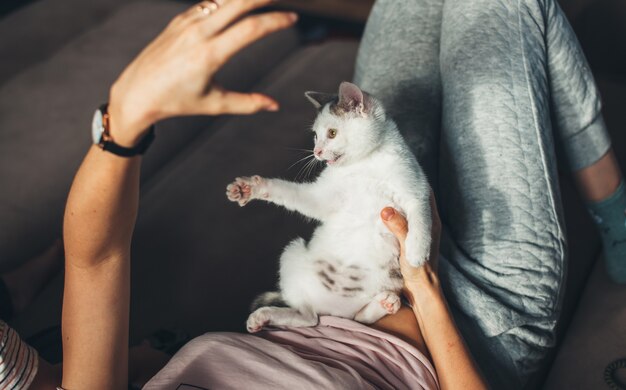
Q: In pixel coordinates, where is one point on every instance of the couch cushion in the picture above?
(596, 336)
(33, 33)
(45, 116)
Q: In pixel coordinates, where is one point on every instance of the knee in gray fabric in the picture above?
(528, 348)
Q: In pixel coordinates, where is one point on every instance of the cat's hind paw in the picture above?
(258, 319)
(243, 189)
(390, 302)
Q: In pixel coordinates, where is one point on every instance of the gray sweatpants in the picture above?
(482, 89)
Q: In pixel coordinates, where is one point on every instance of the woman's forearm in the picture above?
(99, 220)
(453, 362)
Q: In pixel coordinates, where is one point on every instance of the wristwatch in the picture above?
(100, 132)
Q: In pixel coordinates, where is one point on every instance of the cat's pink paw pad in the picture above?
(257, 320)
(391, 303)
(242, 190)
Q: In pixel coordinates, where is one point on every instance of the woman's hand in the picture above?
(421, 282)
(453, 362)
(173, 75)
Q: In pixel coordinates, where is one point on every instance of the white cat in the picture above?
(350, 266)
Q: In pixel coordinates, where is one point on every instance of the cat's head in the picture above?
(348, 126)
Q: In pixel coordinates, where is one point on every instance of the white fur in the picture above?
(375, 169)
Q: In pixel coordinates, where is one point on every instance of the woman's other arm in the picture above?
(453, 362)
(171, 77)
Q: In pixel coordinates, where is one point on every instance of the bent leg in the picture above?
(504, 243)
(386, 302)
(575, 100)
(280, 316)
(398, 62)
(585, 141)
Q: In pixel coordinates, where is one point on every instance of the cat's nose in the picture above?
(317, 151)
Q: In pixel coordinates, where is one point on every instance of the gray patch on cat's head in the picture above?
(350, 100)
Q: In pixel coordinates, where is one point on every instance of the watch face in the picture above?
(97, 127)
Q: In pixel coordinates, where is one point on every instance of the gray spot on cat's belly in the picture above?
(339, 279)
(326, 278)
(351, 291)
(326, 265)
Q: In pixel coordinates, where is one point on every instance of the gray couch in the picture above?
(197, 259)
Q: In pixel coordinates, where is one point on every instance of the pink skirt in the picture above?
(336, 354)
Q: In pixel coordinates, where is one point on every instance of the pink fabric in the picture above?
(336, 354)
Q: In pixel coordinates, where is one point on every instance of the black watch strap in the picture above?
(106, 143)
(140, 148)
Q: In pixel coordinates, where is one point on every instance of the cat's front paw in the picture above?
(258, 319)
(244, 189)
(417, 252)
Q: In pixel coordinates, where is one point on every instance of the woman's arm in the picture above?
(171, 77)
(453, 362)
(99, 220)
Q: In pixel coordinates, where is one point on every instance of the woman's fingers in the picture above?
(396, 223)
(211, 21)
(228, 12)
(229, 102)
(246, 31)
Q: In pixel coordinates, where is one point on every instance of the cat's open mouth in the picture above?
(334, 160)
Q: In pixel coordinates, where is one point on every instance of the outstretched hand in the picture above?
(397, 224)
(173, 75)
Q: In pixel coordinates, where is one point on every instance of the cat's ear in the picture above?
(352, 99)
(320, 99)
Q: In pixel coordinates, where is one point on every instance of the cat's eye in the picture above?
(332, 133)
(314, 135)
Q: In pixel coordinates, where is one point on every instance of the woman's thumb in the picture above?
(395, 222)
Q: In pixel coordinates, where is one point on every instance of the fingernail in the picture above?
(272, 107)
(293, 16)
(387, 213)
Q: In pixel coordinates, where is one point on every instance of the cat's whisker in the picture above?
(303, 168)
(311, 156)
(307, 169)
(310, 167)
(303, 158)
(300, 149)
